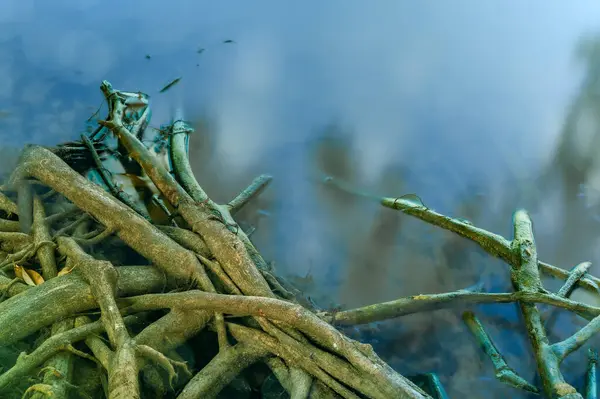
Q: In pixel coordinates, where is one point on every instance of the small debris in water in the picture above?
(170, 84)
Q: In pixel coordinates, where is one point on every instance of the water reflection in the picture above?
(474, 107)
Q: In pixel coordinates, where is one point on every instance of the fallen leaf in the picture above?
(22, 274)
(64, 271)
(30, 277)
(18, 271)
(35, 276)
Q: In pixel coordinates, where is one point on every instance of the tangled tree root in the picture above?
(199, 274)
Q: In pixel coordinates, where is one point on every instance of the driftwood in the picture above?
(199, 274)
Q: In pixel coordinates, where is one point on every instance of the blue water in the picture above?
(461, 102)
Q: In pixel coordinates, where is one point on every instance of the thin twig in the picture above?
(503, 371)
(252, 191)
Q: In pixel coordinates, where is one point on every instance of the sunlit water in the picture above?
(460, 102)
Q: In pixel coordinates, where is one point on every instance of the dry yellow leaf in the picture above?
(35, 276)
(30, 277)
(65, 270)
(18, 271)
(25, 277)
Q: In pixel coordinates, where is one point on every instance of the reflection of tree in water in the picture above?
(420, 343)
(331, 154)
(385, 255)
(372, 258)
(208, 165)
(8, 160)
(378, 259)
(574, 163)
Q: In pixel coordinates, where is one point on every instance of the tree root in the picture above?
(220, 286)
